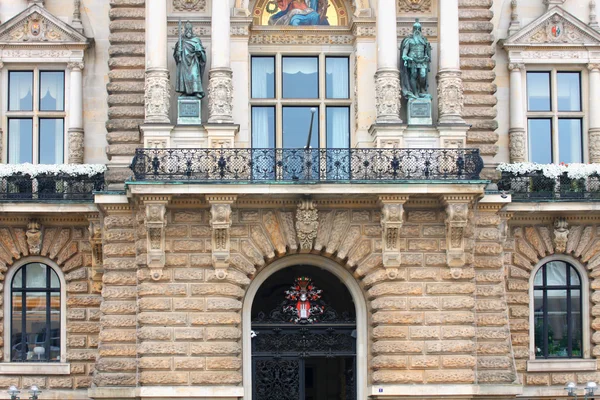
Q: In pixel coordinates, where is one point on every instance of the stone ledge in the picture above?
(572, 365)
(431, 391)
(35, 369)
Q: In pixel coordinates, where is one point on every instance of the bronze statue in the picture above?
(415, 54)
(190, 57)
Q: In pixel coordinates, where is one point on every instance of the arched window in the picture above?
(557, 311)
(35, 329)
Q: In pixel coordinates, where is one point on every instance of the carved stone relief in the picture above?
(392, 218)
(387, 87)
(450, 96)
(95, 230)
(156, 222)
(561, 234)
(34, 237)
(420, 6)
(220, 222)
(189, 5)
(157, 96)
(307, 224)
(36, 28)
(457, 216)
(220, 96)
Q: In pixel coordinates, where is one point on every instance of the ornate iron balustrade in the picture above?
(306, 166)
(536, 187)
(50, 187)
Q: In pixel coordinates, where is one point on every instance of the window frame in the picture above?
(8, 317)
(554, 114)
(585, 318)
(321, 103)
(35, 115)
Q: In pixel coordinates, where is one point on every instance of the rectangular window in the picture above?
(337, 77)
(569, 91)
(296, 127)
(20, 91)
(338, 127)
(540, 141)
(51, 141)
(570, 140)
(300, 77)
(263, 127)
(52, 91)
(20, 140)
(538, 91)
(263, 77)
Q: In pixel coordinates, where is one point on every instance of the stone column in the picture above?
(220, 86)
(75, 130)
(594, 121)
(157, 73)
(517, 118)
(450, 86)
(387, 77)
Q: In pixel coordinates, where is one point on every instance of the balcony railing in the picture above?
(49, 187)
(306, 166)
(535, 186)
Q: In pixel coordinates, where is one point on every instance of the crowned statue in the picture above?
(190, 57)
(415, 54)
(298, 12)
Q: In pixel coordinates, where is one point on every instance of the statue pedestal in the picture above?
(419, 112)
(189, 111)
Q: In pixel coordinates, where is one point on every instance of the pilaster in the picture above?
(220, 85)
(518, 147)
(75, 131)
(157, 85)
(392, 218)
(156, 222)
(594, 117)
(220, 222)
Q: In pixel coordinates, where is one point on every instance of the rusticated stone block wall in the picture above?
(68, 247)
(530, 242)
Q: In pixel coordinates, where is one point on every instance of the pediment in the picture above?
(36, 25)
(556, 27)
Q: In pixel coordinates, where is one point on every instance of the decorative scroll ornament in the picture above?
(156, 223)
(302, 298)
(220, 222)
(307, 224)
(189, 5)
(561, 234)
(34, 237)
(457, 216)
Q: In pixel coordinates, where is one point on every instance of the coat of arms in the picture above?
(302, 302)
(555, 29)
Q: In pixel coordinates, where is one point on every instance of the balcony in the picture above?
(534, 186)
(20, 187)
(306, 166)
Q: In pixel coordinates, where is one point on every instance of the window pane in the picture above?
(540, 141)
(539, 277)
(54, 281)
(557, 323)
(337, 79)
(574, 277)
(570, 149)
(20, 91)
(51, 141)
(36, 276)
(576, 323)
(20, 141)
(300, 77)
(538, 314)
(569, 91)
(263, 77)
(52, 91)
(17, 345)
(538, 91)
(54, 326)
(263, 127)
(556, 273)
(18, 279)
(35, 315)
(296, 125)
(338, 127)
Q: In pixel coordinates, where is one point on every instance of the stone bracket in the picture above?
(392, 218)
(457, 217)
(307, 224)
(156, 222)
(96, 229)
(220, 222)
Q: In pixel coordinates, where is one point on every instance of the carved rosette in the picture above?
(392, 217)
(156, 222)
(220, 96)
(157, 96)
(457, 217)
(307, 224)
(450, 97)
(34, 237)
(387, 87)
(95, 229)
(220, 222)
(561, 235)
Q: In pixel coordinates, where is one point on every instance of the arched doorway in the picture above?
(301, 348)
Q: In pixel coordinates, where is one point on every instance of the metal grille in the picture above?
(536, 187)
(301, 165)
(50, 187)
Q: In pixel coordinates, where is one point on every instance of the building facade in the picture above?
(297, 238)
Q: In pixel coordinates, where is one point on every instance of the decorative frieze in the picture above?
(220, 222)
(220, 95)
(156, 222)
(307, 224)
(392, 218)
(457, 217)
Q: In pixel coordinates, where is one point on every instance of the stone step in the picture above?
(127, 13)
(127, 62)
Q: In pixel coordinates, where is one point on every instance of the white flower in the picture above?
(51, 169)
(554, 171)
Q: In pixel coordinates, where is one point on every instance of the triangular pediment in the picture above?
(556, 27)
(36, 25)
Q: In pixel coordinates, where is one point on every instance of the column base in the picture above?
(75, 145)
(450, 97)
(158, 95)
(388, 93)
(157, 135)
(388, 135)
(220, 96)
(221, 135)
(518, 147)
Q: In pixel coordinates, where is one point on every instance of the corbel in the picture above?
(156, 222)
(307, 224)
(561, 234)
(392, 218)
(457, 217)
(96, 228)
(220, 222)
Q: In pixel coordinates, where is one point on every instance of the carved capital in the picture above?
(220, 222)
(96, 229)
(156, 222)
(388, 91)
(457, 217)
(75, 66)
(34, 237)
(516, 67)
(220, 96)
(451, 97)
(593, 67)
(518, 145)
(392, 218)
(307, 224)
(561, 235)
(157, 97)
